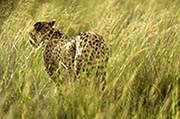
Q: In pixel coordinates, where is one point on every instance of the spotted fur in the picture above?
(69, 56)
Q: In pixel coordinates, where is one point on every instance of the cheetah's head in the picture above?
(39, 31)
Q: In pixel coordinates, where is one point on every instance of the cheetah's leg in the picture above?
(101, 75)
(53, 72)
(77, 67)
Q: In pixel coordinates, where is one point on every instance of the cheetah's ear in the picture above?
(38, 26)
(51, 23)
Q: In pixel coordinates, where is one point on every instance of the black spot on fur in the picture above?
(85, 40)
(57, 34)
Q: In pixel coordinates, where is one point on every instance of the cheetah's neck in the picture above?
(55, 35)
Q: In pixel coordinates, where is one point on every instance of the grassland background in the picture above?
(143, 74)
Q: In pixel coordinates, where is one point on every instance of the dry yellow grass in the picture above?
(143, 70)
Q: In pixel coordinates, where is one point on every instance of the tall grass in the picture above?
(143, 73)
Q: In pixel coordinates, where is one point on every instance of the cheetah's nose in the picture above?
(31, 42)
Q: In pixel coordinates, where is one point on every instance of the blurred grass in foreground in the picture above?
(143, 71)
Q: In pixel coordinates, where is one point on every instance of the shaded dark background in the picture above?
(6, 8)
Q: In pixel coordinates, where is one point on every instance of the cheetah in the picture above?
(69, 56)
